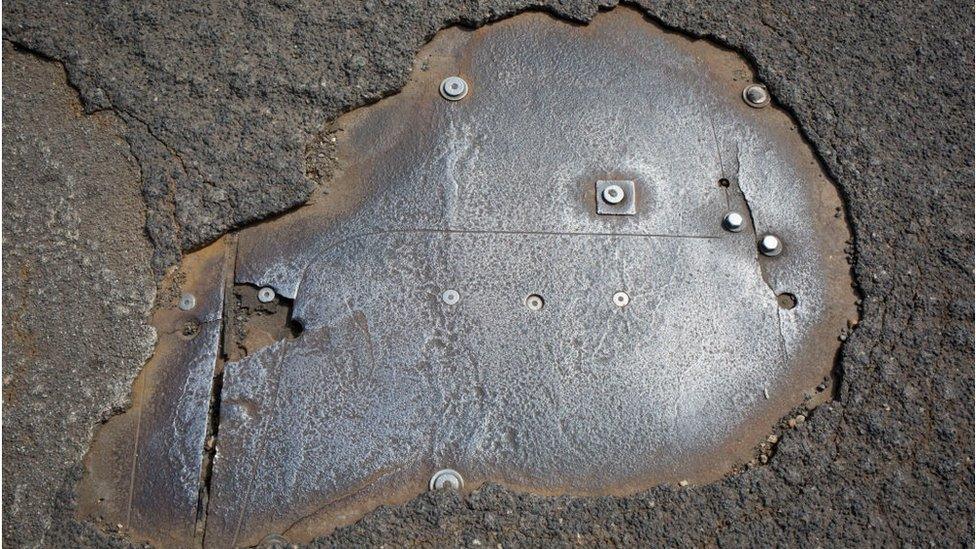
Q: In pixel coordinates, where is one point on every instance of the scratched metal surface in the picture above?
(493, 196)
(144, 467)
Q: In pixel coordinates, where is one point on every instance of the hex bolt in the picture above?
(613, 194)
(621, 299)
(756, 96)
(188, 302)
(535, 302)
(451, 297)
(454, 88)
(446, 478)
(770, 245)
(266, 295)
(732, 222)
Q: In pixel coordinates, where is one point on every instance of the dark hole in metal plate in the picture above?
(468, 306)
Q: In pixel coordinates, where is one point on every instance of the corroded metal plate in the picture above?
(493, 197)
(145, 468)
(469, 303)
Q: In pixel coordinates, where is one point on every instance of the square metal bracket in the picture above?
(615, 197)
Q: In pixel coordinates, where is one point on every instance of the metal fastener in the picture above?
(732, 222)
(266, 295)
(446, 478)
(770, 245)
(187, 302)
(535, 302)
(613, 194)
(621, 299)
(454, 88)
(450, 297)
(616, 197)
(274, 541)
(756, 95)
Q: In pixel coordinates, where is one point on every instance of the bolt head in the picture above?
(621, 299)
(756, 96)
(446, 478)
(454, 88)
(535, 302)
(188, 302)
(266, 295)
(613, 194)
(450, 297)
(733, 222)
(770, 245)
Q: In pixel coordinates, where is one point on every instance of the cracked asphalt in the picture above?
(137, 131)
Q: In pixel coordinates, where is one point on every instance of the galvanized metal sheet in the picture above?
(493, 199)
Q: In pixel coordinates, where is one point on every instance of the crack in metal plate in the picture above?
(466, 306)
(145, 467)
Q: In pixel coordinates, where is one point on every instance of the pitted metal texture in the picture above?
(494, 197)
(471, 300)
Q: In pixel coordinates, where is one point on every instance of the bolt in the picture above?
(454, 88)
(732, 222)
(266, 295)
(613, 194)
(770, 245)
(274, 541)
(446, 478)
(756, 96)
(535, 302)
(621, 299)
(451, 297)
(187, 302)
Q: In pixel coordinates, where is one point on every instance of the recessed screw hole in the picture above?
(786, 301)
(190, 329)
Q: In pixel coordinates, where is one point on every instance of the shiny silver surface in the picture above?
(494, 197)
(469, 298)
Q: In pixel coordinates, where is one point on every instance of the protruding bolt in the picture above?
(188, 302)
(770, 245)
(732, 222)
(535, 302)
(266, 295)
(756, 95)
(446, 478)
(613, 194)
(621, 299)
(451, 297)
(454, 88)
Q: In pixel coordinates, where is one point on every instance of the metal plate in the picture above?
(466, 306)
(145, 467)
(492, 196)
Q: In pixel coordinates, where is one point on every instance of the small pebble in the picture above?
(683, 483)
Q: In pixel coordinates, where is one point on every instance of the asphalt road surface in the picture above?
(136, 132)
